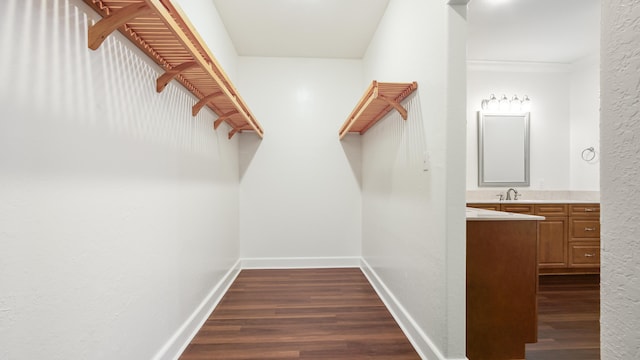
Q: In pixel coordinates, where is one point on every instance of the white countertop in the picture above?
(533, 201)
(474, 214)
(532, 196)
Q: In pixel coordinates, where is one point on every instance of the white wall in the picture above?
(548, 86)
(585, 126)
(564, 118)
(413, 220)
(300, 192)
(118, 210)
(205, 19)
(620, 134)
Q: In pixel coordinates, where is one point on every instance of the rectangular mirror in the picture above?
(503, 149)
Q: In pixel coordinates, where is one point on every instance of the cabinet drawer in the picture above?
(517, 208)
(584, 210)
(584, 254)
(494, 207)
(551, 209)
(585, 228)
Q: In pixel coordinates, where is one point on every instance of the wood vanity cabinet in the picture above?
(568, 238)
(501, 289)
(584, 236)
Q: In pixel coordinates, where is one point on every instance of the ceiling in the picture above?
(301, 28)
(499, 30)
(559, 31)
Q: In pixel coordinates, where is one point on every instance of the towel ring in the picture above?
(588, 154)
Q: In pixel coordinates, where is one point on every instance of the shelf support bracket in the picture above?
(103, 28)
(222, 118)
(233, 132)
(396, 105)
(169, 75)
(200, 104)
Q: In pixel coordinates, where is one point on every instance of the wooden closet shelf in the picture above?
(377, 101)
(164, 33)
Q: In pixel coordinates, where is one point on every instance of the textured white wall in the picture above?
(548, 86)
(620, 139)
(413, 221)
(300, 191)
(585, 123)
(118, 210)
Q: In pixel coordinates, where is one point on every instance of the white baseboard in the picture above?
(173, 348)
(300, 262)
(420, 341)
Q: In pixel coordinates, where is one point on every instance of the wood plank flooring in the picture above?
(568, 318)
(300, 314)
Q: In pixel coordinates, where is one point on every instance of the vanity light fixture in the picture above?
(504, 105)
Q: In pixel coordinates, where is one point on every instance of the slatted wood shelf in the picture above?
(377, 101)
(164, 33)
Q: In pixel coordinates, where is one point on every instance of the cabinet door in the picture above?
(552, 242)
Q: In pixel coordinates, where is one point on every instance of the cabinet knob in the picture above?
(589, 209)
(589, 255)
(589, 229)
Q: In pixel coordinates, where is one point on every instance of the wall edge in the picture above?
(175, 346)
(300, 262)
(420, 341)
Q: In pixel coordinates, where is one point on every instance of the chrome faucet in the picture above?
(515, 194)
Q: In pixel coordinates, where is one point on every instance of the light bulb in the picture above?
(526, 104)
(504, 103)
(493, 104)
(515, 105)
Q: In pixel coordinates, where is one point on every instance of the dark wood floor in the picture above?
(568, 318)
(336, 314)
(300, 314)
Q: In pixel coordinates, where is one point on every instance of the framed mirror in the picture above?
(503, 149)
